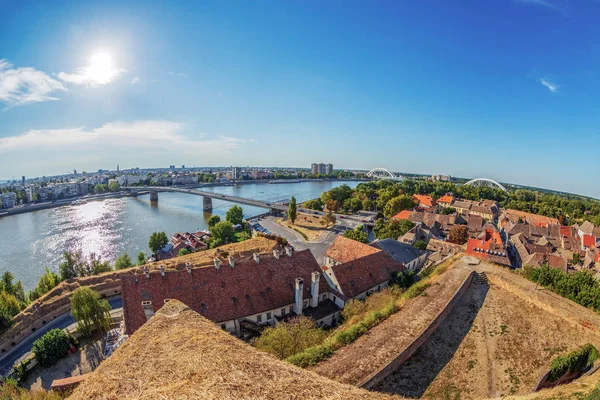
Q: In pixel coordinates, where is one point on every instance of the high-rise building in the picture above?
(236, 172)
(328, 169)
(314, 168)
(321, 169)
(23, 181)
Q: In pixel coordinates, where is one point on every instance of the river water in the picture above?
(30, 242)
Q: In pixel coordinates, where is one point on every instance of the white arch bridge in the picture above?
(485, 182)
(383, 173)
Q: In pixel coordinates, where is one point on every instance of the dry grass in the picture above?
(180, 355)
(306, 224)
(8, 392)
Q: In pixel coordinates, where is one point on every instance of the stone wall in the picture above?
(412, 347)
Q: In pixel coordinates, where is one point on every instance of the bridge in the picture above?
(207, 197)
(485, 182)
(383, 173)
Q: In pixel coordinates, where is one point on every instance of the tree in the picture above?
(51, 347)
(6, 283)
(183, 252)
(328, 219)
(397, 204)
(315, 204)
(393, 228)
(235, 215)
(222, 233)
(157, 241)
(96, 266)
(353, 205)
(123, 262)
(213, 220)
(90, 311)
(357, 234)
(288, 338)
(421, 245)
(141, 258)
(292, 210)
(458, 234)
(6, 320)
(114, 186)
(448, 210)
(9, 303)
(332, 205)
(47, 282)
(100, 189)
(71, 265)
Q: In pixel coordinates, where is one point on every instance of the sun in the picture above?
(101, 69)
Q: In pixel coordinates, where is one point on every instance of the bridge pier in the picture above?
(154, 196)
(206, 203)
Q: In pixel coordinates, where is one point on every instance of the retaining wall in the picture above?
(412, 347)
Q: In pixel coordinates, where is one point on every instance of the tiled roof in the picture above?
(424, 200)
(514, 216)
(404, 214)
(222, 294)
(489, 247)
(565, 231)
(587, 227)
(589, 241)
(400, 252)
(445, 199)
(343, 250)
(362, 274)
(553, 260)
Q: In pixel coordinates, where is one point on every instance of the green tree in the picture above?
(123, 262)
(213, 220)
(47, 282)
(95, 266)
(397, 204)
(235, 215)
(114, 186)
(357, 234)
(183, 252)
(458, 234)
(71, 265)
(315, 204)
(9, 303)
(6, 283)
(90, 311)
(141, 258)
(288, 338)
(222, 233)
(292, 210)
(421, 245)
(393, 228)
(353, 205)
(6, 320)
(99, 188)
(51, 347)
(332, 205)
(157, 241)
(328, 219)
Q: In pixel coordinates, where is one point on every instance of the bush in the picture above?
(21, 370)
(51, 347)
(576, 361)
(416, 290)
(289, 338)
(311, 356)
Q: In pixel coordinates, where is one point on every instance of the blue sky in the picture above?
(504, 89)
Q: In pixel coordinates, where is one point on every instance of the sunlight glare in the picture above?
(101, 69)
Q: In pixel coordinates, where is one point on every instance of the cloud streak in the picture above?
(19, 86)
(99, 71)
(553, 87)
(542, 3)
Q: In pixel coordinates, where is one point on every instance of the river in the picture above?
(30, 242)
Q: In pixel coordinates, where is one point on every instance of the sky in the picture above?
(504, 89)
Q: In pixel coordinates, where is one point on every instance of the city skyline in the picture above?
(504, 91)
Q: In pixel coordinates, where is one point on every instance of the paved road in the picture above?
(62, 322)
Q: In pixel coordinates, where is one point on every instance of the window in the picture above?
(282, 312)
(223, 326)
(148, 309)
(305, 304)
(167, 300)
(291, 309)
(334, 299)
(268, 316)
(259, 318)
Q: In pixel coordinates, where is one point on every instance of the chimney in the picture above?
(189, 267)
(276, 253)
(256, 257)
(289, 250)
(231, 261)
(162, 270)
(147, 272)
(217, 263)
(314, 288)
(298, 296)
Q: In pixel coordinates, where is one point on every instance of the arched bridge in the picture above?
(485, 182)
(382, 173)
(208, 196)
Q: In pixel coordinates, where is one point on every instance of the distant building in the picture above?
(127, 180)
(328, 169)
(8, 200)
(321, 169)
(23, 181)
(236, 173)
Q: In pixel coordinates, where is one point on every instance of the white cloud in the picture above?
(99, 71)
(136, 80)
(553, 87)
(542, 3)
(20, 86)
(181, 74)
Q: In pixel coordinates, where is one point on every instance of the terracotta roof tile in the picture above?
(404, 214)
(589, 241)
(424, 200)
(445, 199)
(343, 250)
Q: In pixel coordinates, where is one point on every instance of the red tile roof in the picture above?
(211, 292)
(597, 259)
(589, 241)
(445, 199)
(514, 216)
(358, 276)
(565, 231)
(424, 200)
(489, 247)
(343, 250)
(404, 214)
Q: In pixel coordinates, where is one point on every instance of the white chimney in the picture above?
(289, 250)
(298, 296)
(314, 288)
(276, 253)
(147, 272)
(162, 270)
(217, 263)
(231, 261)
(189, 267)
(256, 257)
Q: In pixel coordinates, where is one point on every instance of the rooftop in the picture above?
(343, 250)
(401, 252)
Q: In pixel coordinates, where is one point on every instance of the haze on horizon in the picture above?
(506, 90)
